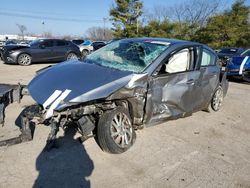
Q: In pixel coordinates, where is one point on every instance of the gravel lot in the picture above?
(204, 150)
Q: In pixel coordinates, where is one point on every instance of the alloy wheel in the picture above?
(217, 99)
(24, 59)
(121, 130)
(71, 56)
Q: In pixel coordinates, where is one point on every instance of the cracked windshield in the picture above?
(128, 55)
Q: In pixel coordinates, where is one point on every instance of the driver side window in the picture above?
(178, 62)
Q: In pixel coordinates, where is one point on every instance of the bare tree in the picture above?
(195, 11)
(157, 13)
(161, 12)
(99, 33)
(22, 28)
(47, 34)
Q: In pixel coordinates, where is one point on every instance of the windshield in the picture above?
(128, 55)
(87, 42)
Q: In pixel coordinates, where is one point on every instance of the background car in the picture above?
(239, 66)
(98, 44)
(88, 46)
(41, 50)
(77, 41)
(225, 53)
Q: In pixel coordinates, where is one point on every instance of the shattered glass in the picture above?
(127, 55)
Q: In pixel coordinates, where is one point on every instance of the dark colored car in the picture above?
(128, 85)
(239, 66)
(98, 44)
(41, 50)
(225, 53)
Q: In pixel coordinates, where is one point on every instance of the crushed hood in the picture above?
(76, 82)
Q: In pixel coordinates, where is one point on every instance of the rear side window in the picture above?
(61, 43)
(208, 59)
(48, 43)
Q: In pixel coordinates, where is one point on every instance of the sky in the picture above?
(63, 17)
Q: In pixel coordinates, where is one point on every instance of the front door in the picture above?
(171, 89)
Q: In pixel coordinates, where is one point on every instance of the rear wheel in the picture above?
(217, 99)
(1, 55)
(115, 133)
(71, 56)
(24, 59)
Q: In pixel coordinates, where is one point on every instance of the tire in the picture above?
(85, 53)
(71, 56)
(217, 99)
(246, 76)
(119, 124)
(1, 55)
(24, 59)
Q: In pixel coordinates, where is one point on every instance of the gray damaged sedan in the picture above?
(125, 86)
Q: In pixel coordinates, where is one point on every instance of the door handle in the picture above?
(191, 82)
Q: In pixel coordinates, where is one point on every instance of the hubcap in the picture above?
(218, 99)
(24, 59)
(71, 56)
(121, 130)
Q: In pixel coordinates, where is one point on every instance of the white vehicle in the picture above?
(88, 46)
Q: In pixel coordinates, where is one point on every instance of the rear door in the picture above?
(172, 90)
(210, 71)
(60, 50)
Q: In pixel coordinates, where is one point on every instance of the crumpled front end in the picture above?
(72, 84)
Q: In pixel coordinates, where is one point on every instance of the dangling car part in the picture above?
(128, 85)
(9, 94)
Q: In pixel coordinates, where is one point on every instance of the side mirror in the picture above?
(42, 46)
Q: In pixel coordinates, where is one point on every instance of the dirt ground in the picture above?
(204, 150)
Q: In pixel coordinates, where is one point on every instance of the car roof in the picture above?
(171, 41)
(52, 39)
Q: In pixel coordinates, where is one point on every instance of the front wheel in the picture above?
(115, 132)
(24, 59)
(246, 76)
(85, 53)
